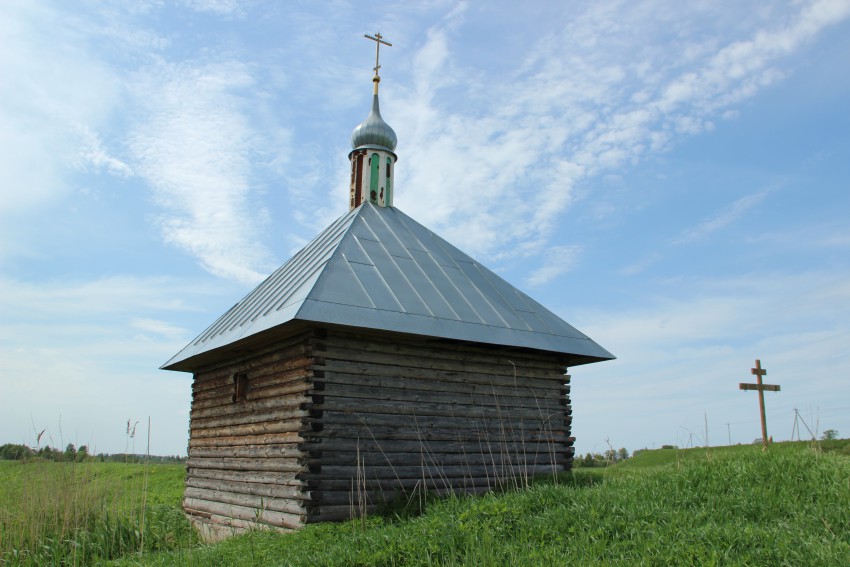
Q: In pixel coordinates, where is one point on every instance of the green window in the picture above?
(375, 162)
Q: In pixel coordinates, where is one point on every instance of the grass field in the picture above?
(81, 513)
(723, 506)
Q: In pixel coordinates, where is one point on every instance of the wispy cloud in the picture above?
(726, 217)
(559, 260)
(577, 108)
(642, 264)
(157, 327)
(91, 153)
(194, 145)
(53, 81)
(219, 7)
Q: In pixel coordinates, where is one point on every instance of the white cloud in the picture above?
(476, 175)
(559, 260)
(52, 82)
(194, 145)
(92, 154)
(219, 7)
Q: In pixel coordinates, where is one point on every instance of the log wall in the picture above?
(399, 414)
(335, 422)
(245, 455)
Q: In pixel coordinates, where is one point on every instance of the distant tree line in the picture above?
(603, 459)
(72, 454)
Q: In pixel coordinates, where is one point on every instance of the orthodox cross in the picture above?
(378, 39)
(758, 371)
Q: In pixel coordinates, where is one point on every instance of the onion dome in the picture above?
(374, 132)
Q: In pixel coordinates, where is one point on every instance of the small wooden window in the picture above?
(240, 387)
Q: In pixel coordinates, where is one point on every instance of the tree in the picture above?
(829, 434)
(623, 454)
(82, 453)
(15, 452)
(70, 452)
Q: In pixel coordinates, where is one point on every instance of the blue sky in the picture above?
(669, 177)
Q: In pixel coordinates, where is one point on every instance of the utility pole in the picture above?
(758, 371)
(795, 429)
(729, 430)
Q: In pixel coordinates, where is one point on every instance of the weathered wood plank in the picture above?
(232, 526)
(266, 490)
(427, 376)
(253, 412)
(448, 444)
(290, 450)
(425, 408)
(473, 447)
(386, 392)
(336, 420)
(496, 431)
(418, 347)
(376, 376)
(245, 360)
(279, 478)
(259, 386)
(430, 471)
(290, 425)
(266, 465)
(483, 457)
(262, 374)
(230, 440)
(259, 503)
(270, 517)
(440, 364)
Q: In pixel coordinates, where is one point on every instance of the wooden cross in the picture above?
(758, 371)
(378, 39)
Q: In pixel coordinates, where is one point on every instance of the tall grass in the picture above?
(79, 513)
(789, 506)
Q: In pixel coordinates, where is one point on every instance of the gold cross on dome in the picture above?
(378, 39)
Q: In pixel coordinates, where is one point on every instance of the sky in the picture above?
(671, 178)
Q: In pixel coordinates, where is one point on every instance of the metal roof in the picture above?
(376, 268)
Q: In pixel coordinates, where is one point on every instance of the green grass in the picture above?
(81, 513)
(722, 506)
(740, 506)
(663, 457)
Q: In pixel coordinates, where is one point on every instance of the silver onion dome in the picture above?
(374, 131)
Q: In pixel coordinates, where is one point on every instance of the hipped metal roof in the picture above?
(376, 268)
